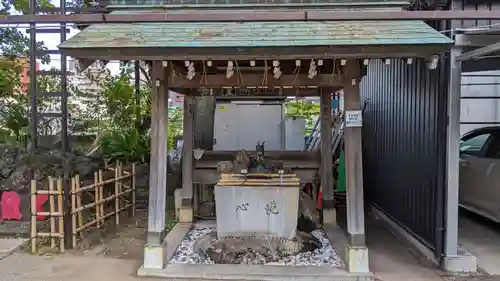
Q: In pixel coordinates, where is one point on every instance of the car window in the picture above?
(494, 147)
(474, 146)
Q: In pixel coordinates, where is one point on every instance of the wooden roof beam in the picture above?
(239, 16)
(238, 80)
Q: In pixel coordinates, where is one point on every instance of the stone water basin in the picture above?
(200, 246)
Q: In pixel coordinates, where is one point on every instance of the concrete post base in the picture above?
(177, 202)
(357, 259)
(330, 216)
(460, 263)
(155, 257)
(185, 214)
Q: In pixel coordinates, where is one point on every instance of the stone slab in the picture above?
(157, 257)
(253, 273)
(245, 272)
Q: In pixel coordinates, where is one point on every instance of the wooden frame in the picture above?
(258, 53)
(258, 179)
(263, 15)
(254, 80)
(119, 186)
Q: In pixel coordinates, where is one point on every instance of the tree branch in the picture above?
(145, 73)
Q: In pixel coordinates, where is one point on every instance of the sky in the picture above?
(53, 40)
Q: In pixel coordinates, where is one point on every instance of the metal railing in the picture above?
(313, 142)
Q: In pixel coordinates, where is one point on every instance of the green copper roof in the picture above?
(255, 34)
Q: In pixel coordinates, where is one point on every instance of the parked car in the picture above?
(480, 172)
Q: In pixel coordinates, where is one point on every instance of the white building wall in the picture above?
(480, 105)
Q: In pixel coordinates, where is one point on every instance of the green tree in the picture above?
(14, 46)
(122, 116)
(9, 76)
(303, 109)
(14, 42)
(14, 107)
(175, 119)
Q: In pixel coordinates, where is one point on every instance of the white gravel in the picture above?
(324, 256)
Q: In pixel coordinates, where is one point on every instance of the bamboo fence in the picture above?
(55, 215)
(111, 194)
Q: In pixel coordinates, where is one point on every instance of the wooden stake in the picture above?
(78, 203)
(97, 197)
(101, 194)
(117, 191)
(52, 207)
(73, 210)
(33, 217)
(133, 189)
(121, 201)
(61, 211)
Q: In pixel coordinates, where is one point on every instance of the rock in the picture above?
(18, 166)
(204, 243)
(6, 171)
(84, 166)
(308, 215)
(92, 238)
(19, 179)
(225, 167)
(242, 161)
(308, 241)
(252, 250)
(3, 164)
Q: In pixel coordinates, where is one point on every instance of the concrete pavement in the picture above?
(25, 267)
(390, 260)
(9, 245)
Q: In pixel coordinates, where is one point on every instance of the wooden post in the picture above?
(78, 203)
(133, 190)
(121, 204)
(73, 211)
(187, 158)
(61, 212)
(97, 199)
(117, 191)
(101, 194)
(353, 155)
(52, 218)
(154, 255)
(33, 217)
(329, 215)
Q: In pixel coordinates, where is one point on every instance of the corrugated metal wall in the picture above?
(404, 145)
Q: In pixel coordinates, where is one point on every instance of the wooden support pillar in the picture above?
(357, 251)
(329, 215)
(186, 211)
(154, 251)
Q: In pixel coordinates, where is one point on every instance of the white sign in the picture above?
(353, 118)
